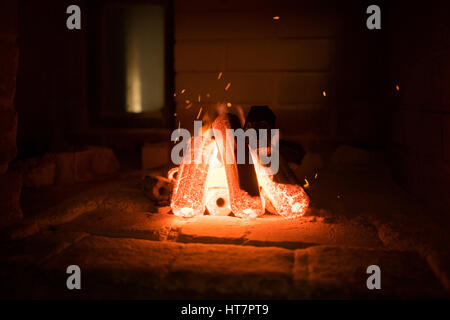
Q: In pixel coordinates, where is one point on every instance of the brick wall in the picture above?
(285, 63)
(420, 136)
(10, 182)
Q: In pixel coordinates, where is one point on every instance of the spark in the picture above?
(199, 112)
(183, 91)
(306, 185)
(397, 87)
(199, 98)
(324, 93)
(188, 101)
(228, 86)
(276, 18)
(315, 176)
(188, 106)
(219, 76)
(228, 104)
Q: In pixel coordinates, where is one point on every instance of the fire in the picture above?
(210, 182)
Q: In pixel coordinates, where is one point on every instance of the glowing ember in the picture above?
(189, 194)
(242, 204)
(306, 185)
(288, 200)
(199, 112)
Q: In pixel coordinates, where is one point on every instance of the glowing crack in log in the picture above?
(242, 204)
(189, 193)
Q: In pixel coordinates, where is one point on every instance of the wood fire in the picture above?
(209, 178)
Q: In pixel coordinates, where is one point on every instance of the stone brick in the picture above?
(302, 119)
(199, 56)
(445, 73)
(403, 274)
(268, 6)
(280, 55)
(39, 172)
(232, 271)
(8, 134)
(310, 165)
(235, 5)
(241, 20)
(8, 68)
(9, 16)
(350, 156)
(8, 121)
(305, 232)
(304, 88)
(36, 249)
(245, 87)
(83, 165)
(440, 264)
(117, 223)
(422, 132)
(111, 265)
(223, 25)
(10, 189)
(307, 23)
(417, 88)
(65, 167)
(155, 155)
(203, 229)
(446, 138)
(104, 161)
(277, 232)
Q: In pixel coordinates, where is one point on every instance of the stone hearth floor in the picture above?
(127, 247)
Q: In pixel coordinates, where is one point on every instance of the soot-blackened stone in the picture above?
(260, 117)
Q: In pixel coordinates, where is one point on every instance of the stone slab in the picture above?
(116, 223)
(329, 272)
(230, 271)
(309, 231)
(113, 267)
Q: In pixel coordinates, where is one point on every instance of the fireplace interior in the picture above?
(87, 176)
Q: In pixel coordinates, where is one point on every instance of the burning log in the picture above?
(281, 191)
(218, 202)
(242, 203)
(218, 197)
(288, 200)
(189, 193)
